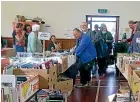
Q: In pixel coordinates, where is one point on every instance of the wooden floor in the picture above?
(100, 89)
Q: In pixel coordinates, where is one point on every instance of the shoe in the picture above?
(62, 78)
(89, 83)
(81, 85)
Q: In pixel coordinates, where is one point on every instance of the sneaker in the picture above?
(81, 85)
(62, 78)
(89, 83)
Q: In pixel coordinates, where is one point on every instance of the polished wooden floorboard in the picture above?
(108, 86)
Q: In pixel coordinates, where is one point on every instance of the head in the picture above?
(96, 27)
(138, 26)
(84, 26)
(53, 38)
(36, 28)
(131, 24)
(103, 28)
(102, 25)
(27, 28)
(19, 27)
(77, 33)
(135, 24)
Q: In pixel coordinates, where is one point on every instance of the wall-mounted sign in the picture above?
(102, 11)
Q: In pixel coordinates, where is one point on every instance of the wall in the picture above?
(65, 14)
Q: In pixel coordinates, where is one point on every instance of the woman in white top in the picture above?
(34, 44)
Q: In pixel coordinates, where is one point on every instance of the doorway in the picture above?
(112, 23)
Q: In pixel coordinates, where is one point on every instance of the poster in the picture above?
(28, 88)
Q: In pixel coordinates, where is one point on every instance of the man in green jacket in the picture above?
(107, 36)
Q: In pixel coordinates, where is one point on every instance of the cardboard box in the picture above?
(8, 52)
(135, 85)
(64, 86)
(28, 88)
(62, 65)
(47, 77)
(130, 72)
(4, 63)
(124, 88)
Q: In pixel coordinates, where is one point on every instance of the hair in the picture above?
(135, 22)
(25, 27)
(52, 36)
(102, 26)
(78, 30)
(35, 27)
(85, 23)
(138, 26)
(131, 22)
(19, 25)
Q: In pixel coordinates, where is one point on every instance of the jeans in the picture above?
(102, 65)
(94, 69)
(19, 48)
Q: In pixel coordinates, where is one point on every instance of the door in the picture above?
(112, 23)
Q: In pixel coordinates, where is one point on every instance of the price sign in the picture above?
(28, 88)
(44, 36)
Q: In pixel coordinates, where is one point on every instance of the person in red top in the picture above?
(19, 39)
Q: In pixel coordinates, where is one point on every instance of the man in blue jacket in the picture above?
(86, 53)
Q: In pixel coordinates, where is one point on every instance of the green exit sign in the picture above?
(102, 11)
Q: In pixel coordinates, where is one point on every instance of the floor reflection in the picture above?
(108, 86)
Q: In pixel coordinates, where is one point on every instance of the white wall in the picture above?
(65, 14)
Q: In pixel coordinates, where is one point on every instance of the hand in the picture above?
(124, 40)
(59, 46)
(25, 49)
(109, 40)
(53, 50)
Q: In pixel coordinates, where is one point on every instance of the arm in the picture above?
(82, 45)
(130, 39)
(58, 46)
(33, 43)
(138, 44)
(13, 35)
(109, 37)
(51, 47)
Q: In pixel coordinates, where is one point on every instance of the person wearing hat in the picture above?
(96, 28)
(135, 44)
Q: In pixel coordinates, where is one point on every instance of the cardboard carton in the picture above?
(135, 85)
(64, 86)
(8, 52)
(47, 77)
